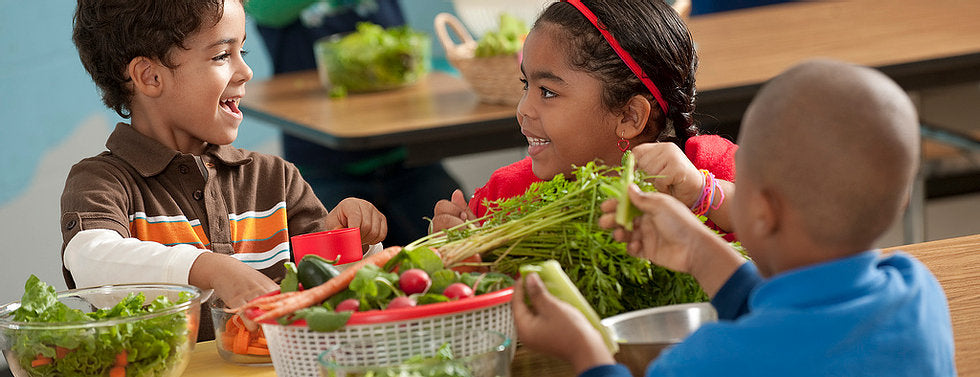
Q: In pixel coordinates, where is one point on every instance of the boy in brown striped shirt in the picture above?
(171, 201)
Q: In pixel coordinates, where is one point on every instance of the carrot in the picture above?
(257, 351)
(287, 303)
(228, 341)
(41, 360)
(121, 359)
(261, 341)
(240, 345)
(232, 325)
(60, 352)
(192, 324)
(117, 371)
(472, 264)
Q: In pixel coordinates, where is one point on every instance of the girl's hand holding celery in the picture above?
(359, 213)
(452, 212)
(674, 174)
(669, 236)
(554, 327)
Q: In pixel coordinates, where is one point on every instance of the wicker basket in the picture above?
(295, 348)
(494, 79)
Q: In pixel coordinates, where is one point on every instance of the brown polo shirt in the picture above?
(246, 204)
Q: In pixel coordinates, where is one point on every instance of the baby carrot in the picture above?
(241, 342)
(117, 371)
(121, 359)
(41, 360)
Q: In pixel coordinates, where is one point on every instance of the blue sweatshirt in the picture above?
(861, 315)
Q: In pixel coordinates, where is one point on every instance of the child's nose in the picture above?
(244, 72)
(524, 108)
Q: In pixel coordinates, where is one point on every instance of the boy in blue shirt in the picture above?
(828, 152)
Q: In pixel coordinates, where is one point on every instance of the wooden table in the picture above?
(920, 44)
(438, 117)
(955, 262)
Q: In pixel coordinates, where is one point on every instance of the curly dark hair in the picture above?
(109, 34)
(656, 37)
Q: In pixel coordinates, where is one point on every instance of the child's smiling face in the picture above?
(561, 112)
(200, 102)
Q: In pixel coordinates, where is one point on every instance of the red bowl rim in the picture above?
(371, 317)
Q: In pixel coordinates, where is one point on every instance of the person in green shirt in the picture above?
(405, 194)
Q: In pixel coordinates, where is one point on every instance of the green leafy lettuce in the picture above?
(151, 346)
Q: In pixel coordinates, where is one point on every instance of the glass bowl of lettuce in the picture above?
(462, 352)
(372, 58)
(145, 330)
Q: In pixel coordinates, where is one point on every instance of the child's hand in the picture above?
(668, 235)
(450, 213)
(681, 179)
(233, 281)
(554, 327)
(359, 213)
(663, 233)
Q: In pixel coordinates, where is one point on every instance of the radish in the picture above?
(414, 281)
(401, 302)
(456, 291)
(350, 305)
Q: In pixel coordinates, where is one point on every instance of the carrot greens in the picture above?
(558, 219)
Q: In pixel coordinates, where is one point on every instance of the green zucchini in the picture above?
(314, 270)
(560, 286)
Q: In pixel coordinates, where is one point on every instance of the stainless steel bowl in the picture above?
(643, 334)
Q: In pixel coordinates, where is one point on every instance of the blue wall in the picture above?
(51, 116)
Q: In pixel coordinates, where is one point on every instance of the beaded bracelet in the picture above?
(706, 201)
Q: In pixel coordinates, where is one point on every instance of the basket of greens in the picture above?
(372, 59)
(491, 66)
(397, 293)
(115, 331)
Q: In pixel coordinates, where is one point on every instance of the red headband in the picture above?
(625, 56)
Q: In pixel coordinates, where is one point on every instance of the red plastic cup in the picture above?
(330, 244)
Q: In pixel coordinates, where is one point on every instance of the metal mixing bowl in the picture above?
(643, 334)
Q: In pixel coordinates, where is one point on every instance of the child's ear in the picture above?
(634, 117)
(145, 76)
(767, 208)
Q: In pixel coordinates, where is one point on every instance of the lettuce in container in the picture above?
(110, 331)
(372, 59)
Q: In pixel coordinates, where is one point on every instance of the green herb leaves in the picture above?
(558, 219)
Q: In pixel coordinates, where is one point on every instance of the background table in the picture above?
(920, 44)
(436, 118)
(955, 262)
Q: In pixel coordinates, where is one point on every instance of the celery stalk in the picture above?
(560, 286)
(624, 212)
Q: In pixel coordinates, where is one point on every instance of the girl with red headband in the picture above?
(602, 77)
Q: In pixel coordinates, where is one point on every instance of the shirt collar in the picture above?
(149, 157)
(822, 283)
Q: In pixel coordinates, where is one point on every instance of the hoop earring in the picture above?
(623, 144)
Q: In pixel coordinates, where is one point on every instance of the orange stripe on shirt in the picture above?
(259, 234)
(169, 233)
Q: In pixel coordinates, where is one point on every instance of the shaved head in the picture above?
(840, 143)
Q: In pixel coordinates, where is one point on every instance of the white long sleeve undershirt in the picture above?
(101, 256)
